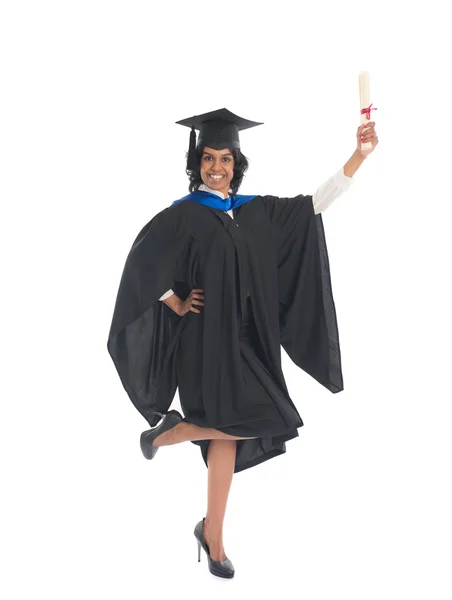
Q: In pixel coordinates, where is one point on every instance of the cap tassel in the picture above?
(191, 160)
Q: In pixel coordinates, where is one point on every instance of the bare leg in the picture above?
(185, 432)
(221, 462)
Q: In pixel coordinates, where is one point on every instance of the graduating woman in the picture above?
(212, 287)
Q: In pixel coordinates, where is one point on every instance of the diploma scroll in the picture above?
(365, 105)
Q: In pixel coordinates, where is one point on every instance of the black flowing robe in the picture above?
(275, 248)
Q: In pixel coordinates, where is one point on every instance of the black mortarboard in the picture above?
(217, 129)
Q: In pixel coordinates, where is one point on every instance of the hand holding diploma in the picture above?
(366, 136)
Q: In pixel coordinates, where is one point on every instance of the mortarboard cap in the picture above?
(217, 129)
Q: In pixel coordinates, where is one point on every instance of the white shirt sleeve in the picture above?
(330, 190)
(166, 295)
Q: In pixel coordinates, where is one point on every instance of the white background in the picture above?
(359, 506)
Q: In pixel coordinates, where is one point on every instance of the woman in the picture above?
(212, 287)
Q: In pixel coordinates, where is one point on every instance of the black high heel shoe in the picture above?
(220, 568)
(147, 438)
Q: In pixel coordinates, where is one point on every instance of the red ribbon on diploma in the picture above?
(367, 110)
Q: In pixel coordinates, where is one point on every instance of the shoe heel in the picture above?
(199, 552)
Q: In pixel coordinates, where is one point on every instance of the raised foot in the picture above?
(167, 438)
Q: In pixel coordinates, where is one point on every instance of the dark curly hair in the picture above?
(240, 166)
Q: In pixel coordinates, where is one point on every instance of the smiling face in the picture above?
(217, 169)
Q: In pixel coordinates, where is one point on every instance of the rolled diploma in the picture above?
(364, 101)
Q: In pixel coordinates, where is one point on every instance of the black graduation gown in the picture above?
(275, 248)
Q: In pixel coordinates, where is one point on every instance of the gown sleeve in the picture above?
(307, 316)
(143, 331)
